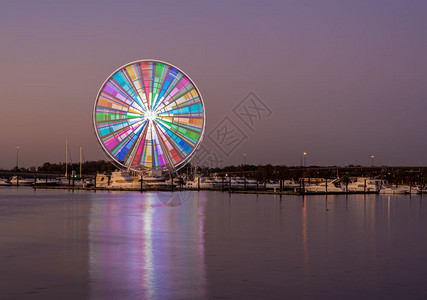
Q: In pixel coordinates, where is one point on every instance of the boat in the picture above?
(387, 188)
(18, 180)
(239, 183)
(290, 184)
(122, 180)
(411, 189)
(364, 185)
(47, 182)
(275, 185)
(88, 182)
(5, 182)
(393, 190)
(102, 180)
(271, 185)
(329, 186)
(154, 181)
(202, 183)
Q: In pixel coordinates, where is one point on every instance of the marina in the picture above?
(121, 180)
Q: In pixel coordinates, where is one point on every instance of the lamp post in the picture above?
(305, 158)
(372, 160)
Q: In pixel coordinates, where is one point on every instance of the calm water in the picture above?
(57, 244)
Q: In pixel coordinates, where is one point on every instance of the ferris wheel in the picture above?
(149, 115)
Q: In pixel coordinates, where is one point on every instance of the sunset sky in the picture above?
(343, 79)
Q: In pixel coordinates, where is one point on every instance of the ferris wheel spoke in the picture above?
(159, 158)
(135, 154)
(181, 143)
(120, 130)
(190, 137)
(159, 72)
(134, 80)
(193, 124)
(114, 92)
(173, 79)
(171, 147)
(146, 80)
(121, 142)
(168, 81)
(182, 88)
(123, 80)
(164, 143)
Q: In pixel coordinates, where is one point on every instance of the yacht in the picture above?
(102, 180)
(290, 184)
(18, 180)
(393, 190)
(411, 189)
(5, 182)
(271, 185)
(387, 188)
(365, 185)
(153, 181)
(202, 182)
(331, 186)
(88, 182)
(47, 181)
(122, 180)
(243, 183)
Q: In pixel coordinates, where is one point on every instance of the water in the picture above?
(57, 244)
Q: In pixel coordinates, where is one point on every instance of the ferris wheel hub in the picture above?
(151, 115)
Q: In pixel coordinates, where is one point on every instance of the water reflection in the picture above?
(304, 237)
(60, 245)
(141, 249)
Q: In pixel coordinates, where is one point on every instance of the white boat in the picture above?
(151, 181)
(49, 181)
(387, 188)
(88, 182)
(286, 185)
(411, 189)
(18, 180)
(271, 185)
(290, 184)
(122, 180)
(201, 182)
(102, 180)
(392, 190)
(363, 184)
(332, 186)
(243, 183)
(5, 182)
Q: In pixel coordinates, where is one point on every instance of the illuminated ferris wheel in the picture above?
(149, 115)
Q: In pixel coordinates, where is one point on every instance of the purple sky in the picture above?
(344, 79)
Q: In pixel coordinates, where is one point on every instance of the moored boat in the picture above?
(18, 180)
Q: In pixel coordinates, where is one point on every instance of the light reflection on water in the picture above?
(154, 252)
(121, 245)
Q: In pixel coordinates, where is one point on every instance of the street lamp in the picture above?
(244, 159)
(372, 160)
(305, 158)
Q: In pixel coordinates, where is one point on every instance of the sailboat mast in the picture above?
(66, 157)
(81, 162)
